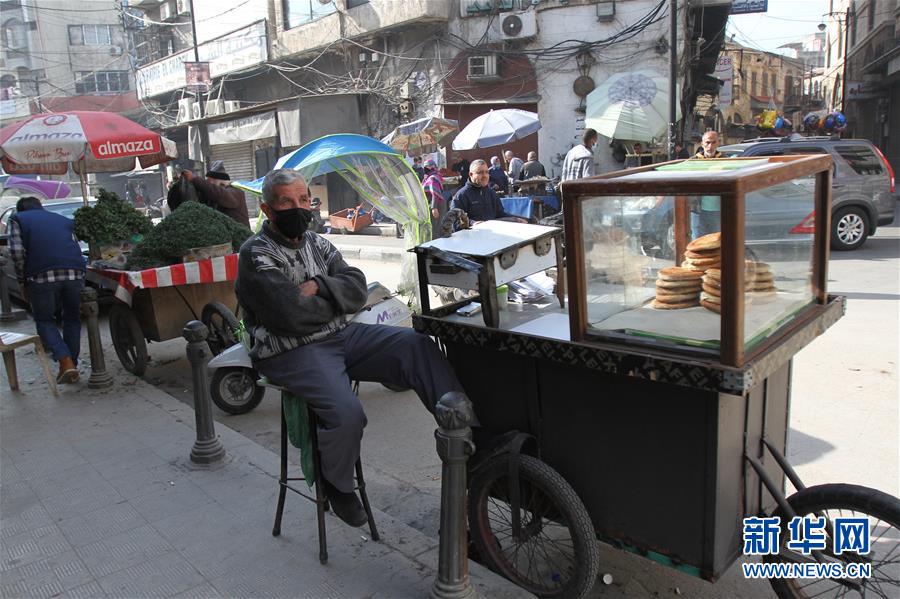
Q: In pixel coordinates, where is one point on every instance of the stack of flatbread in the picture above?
(711, 296)
(677, 288)
(759, 280)
(610, 260)
(704, 253)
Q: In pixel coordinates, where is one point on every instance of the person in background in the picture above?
(216, 192)
(478, 200)
(50, 269)
(417, 167)
(532, 168)
(296, 292)
(638, 148)
(705, 212)
(515, 165)
(681, 152)
(434, 191)
(461, 168)
(497, 176)
(579, 161)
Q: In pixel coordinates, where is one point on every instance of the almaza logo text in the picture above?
(110, 148)
(39, 136)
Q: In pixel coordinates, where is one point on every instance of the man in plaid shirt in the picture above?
(579, 162)
(50, 270)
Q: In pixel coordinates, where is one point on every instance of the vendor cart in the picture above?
(155, 304)
(656, 430)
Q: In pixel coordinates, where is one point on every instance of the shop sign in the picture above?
(860, 90)
(196, 77)
(744, 7)
(725, 73)
(255, 126)
(231, 52)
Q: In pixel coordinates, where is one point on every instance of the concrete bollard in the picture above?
(207, 448)
(454, 414)
(7, 314)
(100, 377)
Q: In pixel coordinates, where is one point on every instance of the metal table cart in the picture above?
(155, 304)
(657, 430)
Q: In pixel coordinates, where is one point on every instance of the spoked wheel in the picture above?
(554, 552)
(235, 391)
(845, 501)
(223, 327)
(128, 339)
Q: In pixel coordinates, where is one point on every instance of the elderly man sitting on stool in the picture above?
(296, 292)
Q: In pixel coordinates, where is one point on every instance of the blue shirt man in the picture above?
(477, 199)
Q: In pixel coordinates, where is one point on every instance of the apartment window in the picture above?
(754, 87)
(13, 34)
(298, 12)
(872, 10)
(89, 82)
(90, 35)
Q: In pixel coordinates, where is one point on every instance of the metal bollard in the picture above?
(454, 444)
(207, 448)
(7, 314)
(100, 377)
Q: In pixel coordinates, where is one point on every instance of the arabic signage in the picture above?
(231, 52)
(196, 77)
(860, 90)
(744, 7)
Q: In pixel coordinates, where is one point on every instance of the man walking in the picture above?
(579, 162)
(50, 270)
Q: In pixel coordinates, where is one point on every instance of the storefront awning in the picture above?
(254, 126)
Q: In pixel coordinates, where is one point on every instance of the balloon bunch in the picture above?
(824, 121)
(770, 121)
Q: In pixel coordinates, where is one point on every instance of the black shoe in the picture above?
(346, 506)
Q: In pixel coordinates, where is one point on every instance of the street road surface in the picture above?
(844, 418)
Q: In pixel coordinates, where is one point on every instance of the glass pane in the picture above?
(861, 159)
(779, 252)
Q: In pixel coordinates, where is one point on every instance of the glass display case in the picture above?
(708, 257)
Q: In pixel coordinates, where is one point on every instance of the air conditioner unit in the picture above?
(406, 89)
(215, 107)
(182, 7)
(185, 110)
(167, 11)
(515, 26)
(482, 68)
(195, 111)
(232, 105)
(115, 51)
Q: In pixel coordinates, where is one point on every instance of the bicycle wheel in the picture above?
(839, 500)
(128, 340)
(555, 553)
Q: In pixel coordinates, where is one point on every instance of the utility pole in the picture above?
(673, 73)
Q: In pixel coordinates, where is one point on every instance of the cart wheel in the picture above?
(223, 327)
(840, 500)
(556, 554)
(128, 339)
(235, 391)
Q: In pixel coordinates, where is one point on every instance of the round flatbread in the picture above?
(712, 290)
(711, 306)
(675, 273)
(707, 280)
(707, 242)
(714, 253)
(679, 286)
(680, 306)
(711, 298)
(761, 276)
(675, 298)
(704, 261)
(714, 274)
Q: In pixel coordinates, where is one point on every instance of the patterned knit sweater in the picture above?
(276, 316)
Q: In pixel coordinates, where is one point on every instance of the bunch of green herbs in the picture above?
(110, 220)
(193, 225)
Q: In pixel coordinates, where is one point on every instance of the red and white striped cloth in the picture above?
(124, 282)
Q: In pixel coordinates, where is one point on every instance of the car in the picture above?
(65, 207)
(863, 189)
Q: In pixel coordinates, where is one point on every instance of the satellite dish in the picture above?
(512, 25)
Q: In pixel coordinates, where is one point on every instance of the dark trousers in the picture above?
(46, 300)
(321, 372)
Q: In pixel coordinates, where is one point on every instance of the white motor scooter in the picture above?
(233, 386)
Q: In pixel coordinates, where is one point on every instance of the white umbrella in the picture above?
(632, 106)
(497, 127)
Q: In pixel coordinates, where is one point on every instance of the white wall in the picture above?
(562, 126)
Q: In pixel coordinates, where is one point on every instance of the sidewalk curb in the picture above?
(377, 254)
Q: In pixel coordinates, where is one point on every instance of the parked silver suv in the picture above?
(862, 186)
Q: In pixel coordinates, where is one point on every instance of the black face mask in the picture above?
(292, 222)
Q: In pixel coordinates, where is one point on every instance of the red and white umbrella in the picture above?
(90, 142)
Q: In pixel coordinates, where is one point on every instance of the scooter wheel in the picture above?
(234, 389)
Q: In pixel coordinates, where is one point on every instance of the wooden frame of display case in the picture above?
(732, 188)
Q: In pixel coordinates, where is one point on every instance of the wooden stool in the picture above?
(320, 500)
(8, 344)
